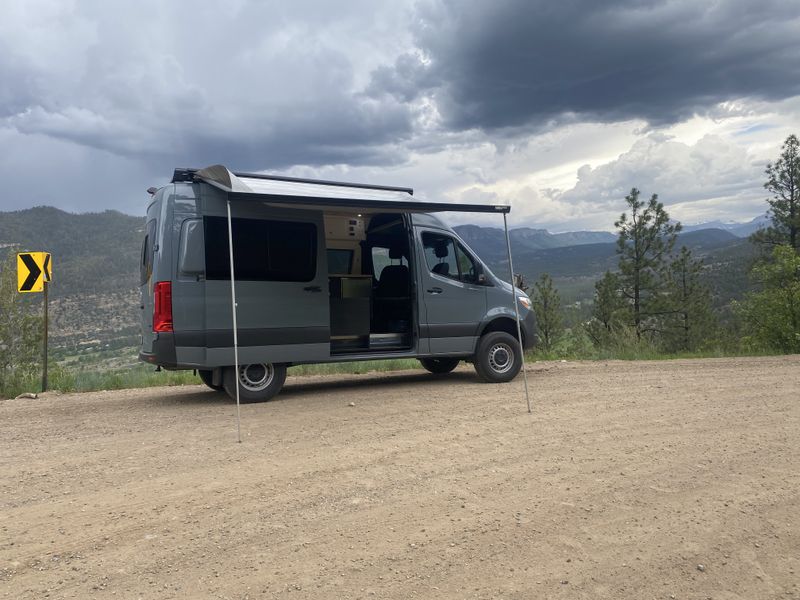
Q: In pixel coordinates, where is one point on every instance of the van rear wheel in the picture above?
(439, 366)
(258, 382)
(207, 378)
(498, 358)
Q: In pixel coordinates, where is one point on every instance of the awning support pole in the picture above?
(516, 312)
(235, 329)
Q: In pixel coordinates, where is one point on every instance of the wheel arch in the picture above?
(502, 323)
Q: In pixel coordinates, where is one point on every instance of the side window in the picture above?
(440, 254)
(191, 258)
(467, 266)
(146, 262)
(262, 250)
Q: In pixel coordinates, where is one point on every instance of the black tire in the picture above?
(498, 358)
(439, 366)
(257, 382)
(206, 377)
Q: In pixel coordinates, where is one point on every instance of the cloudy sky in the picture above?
(556, 107)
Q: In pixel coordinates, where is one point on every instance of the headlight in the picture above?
(524, 301)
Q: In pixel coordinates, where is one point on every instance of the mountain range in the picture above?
(737, 229)
(94, 296)
(490, 241)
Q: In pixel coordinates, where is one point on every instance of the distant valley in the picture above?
(94, 292)
(576, 260)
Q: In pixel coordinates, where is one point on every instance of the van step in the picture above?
(388, 340)
(375, 342)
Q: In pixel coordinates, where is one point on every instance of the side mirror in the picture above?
(482, 279)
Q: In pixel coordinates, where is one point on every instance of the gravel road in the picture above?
(671, 479)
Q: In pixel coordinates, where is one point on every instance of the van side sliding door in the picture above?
(281, 274)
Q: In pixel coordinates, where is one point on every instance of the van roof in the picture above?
(281, 190)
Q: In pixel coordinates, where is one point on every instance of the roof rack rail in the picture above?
(187, 175)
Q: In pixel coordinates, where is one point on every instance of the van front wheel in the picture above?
(498, 358)
(258, 382)
(439, 366)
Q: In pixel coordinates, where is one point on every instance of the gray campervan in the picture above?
(323, 272)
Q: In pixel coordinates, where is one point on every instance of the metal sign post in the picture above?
(34, 272)
(44, 341)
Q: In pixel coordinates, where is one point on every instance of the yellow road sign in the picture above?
(33, 269)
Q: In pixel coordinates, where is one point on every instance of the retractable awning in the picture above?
(324, 194)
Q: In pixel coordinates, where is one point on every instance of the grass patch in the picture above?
(87, 379)
(575, 345)
(66, 379)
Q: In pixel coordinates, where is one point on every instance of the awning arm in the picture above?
(516, 312)
(235, 328)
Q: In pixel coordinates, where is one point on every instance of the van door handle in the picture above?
(312, 288)
(436, 290)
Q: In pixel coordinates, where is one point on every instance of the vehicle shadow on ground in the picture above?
(301, 388)
(295, 389)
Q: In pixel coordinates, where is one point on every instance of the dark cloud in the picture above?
(100, 100)
(491, 65)
(259, 85)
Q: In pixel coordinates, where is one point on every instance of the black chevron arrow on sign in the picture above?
(47, 275)
(33, 272)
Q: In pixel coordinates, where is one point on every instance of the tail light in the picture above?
(162, 306)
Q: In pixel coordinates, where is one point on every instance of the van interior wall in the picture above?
(370, 282)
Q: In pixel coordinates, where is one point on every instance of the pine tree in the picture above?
(547, 306)
(773, 313)
(609, 305)
(610, 312)
(783, 180)
(646, 238)
(687, 316)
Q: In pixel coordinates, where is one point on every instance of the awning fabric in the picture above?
(292, 191)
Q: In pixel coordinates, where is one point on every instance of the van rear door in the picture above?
(146, 282)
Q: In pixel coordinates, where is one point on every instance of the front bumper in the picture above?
(530, 331)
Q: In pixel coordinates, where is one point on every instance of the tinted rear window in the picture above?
(263, 250)
(146, 262)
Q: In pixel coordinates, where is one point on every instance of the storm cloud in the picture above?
(260, 84)
(553, 106)
(514, 63)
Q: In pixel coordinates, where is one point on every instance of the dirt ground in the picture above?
(673, 479)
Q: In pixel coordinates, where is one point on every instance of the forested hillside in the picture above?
(95, 270)
(575, 268)
(92, 252)
(95, 267)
